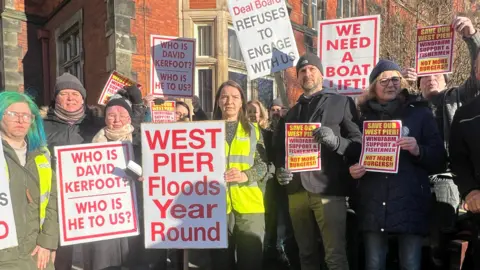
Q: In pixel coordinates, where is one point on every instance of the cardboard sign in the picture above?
(173, 66)
(265, 36)
(302, 151)
(115, 82)
(8, 231)
(164, 113)
(434, 50)
(96, 200)
(379, 150)
(349, 50)
(184, 191)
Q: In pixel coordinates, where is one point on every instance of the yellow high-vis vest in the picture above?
(244, 198)
(45, 172)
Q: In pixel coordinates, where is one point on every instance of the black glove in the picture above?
(284, 176)
(326, 137)
(135, 94)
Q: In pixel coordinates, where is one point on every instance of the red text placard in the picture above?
(380, 152)
(115, 82)
(96, 201)
(302, 151)
(434, 50)
(184, 192)
(164, 113)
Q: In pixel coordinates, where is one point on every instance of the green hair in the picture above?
(36, 138)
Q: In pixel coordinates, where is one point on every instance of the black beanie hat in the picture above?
(120, 100)
(382, 66)
(68, 81)
(309, 59)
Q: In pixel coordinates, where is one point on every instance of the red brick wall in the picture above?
(203, 4)
(156, 20)
(95, 45)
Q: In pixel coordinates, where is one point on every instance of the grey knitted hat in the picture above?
(68, 81)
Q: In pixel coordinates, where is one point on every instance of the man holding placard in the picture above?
(321, 191)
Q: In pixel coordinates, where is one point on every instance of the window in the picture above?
(234, 51)
(240, 77)
(347, 8)
(322, 9)
(308, 40)
(70, 48)
(309, 15)
(205, 40)
(204, 88)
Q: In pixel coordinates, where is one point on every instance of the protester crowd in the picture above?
(340, 217)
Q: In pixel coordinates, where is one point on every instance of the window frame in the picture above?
(62, 33)
(197, 88)
(210, 24)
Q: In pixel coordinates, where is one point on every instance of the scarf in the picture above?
(70, 117)
(386, 111)
(108, 135)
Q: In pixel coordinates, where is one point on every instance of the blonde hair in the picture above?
(370, 93)
(263, 122)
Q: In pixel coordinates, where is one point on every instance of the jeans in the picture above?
(376, 248)
(330, 215)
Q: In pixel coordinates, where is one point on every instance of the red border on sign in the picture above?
(397, 163)
(452, 42)
(152, 68)
(375, 53)
(94, 236)
(319, 167)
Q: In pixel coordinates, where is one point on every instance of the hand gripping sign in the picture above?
(184, 189)
(380, 152)
(8, 232)
(96, 199)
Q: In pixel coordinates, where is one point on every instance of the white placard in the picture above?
(96, 201)
(8, 232)
(349, 50)
(265, 34)
(184, 191)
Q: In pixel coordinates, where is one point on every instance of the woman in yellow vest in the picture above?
(245, 172)
(32, 185)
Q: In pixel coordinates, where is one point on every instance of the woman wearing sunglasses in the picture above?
(397, 205)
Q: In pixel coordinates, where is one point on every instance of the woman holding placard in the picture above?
(121, 125)
(398, 203)
(32, 185)
(245, 172)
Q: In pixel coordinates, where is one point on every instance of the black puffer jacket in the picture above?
(60, 132)
(399, 203)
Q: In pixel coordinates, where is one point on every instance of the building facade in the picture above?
(44, 38)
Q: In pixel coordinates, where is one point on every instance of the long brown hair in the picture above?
(242, 114)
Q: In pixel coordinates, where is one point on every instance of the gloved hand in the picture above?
(326, 137)
(135, 94)
(284, 176)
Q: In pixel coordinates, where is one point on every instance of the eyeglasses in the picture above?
(13, 116)
(386, 81)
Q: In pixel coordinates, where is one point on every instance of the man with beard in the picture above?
(323, 192)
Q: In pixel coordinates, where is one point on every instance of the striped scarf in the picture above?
(67, 116)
